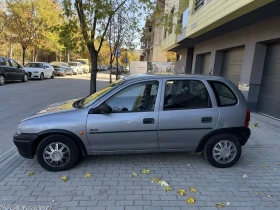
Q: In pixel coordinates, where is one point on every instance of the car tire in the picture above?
(50, 155)
(2, 80)
(71, 73)
(25, 78)
(64, 74)
(52, 77)
(222, 150)
(41, 76)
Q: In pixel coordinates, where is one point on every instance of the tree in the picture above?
(94, 20)
(171, 56)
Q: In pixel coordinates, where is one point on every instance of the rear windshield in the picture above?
(224, 95)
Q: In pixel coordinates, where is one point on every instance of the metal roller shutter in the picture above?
(232, 64)
(205, 65)
(269, 98)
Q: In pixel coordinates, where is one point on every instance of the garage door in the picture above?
(269, 98)
(232, 64)
(205, 64)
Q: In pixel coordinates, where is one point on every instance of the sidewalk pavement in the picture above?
(253, 183)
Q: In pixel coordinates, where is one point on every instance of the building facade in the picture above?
(237, 39)
(151, 40)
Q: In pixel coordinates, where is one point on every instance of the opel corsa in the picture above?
(141, 114)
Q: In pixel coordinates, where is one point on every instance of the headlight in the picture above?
(18, 129)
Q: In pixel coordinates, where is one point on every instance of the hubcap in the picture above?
(25, 78)
(56, 154)
(2, 80)
(224, 151)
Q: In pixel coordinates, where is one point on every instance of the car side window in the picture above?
(14, 64)
(224, 95)
(135, 98)
(4, 62)
(186, 94)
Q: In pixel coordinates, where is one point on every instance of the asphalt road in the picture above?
(19, 100)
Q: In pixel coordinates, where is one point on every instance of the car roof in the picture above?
(177, 76)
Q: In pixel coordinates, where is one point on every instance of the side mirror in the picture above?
(101, 109)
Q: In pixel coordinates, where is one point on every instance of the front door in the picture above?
(9, 70)
(17, 70)
(133, 123)
(187, 114)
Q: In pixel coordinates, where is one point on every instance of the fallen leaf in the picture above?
(266, 165)
(181, 192)
(275, 169)
(245, 176)
(269, 196)
(87, 175)
(167, 188)
(145, 171)
(255, 125)
(220, 205)
(164, 183)
(30, 173)
(64, 178)
(228, 204)
(188, 164)
(155, 179)
(257, 193)
(190, 200)
(134, 174)
(192, 189)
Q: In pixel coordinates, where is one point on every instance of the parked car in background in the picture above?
(77, 67)
(85, 65)
(105, 68)
(39, 70)
(114, 70)
(141, 113)
(10, 70)
(99, 68)
(62, 69)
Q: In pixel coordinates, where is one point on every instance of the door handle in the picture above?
(206, 119)
(148, 121)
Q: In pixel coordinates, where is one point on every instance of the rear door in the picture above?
(187, 113)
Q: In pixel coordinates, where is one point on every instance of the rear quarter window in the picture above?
(224, 95)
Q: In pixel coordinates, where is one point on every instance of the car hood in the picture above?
(32, 69)
(64, 106)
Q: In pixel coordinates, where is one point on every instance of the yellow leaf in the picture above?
(255, 125)
(155, 179)
(64, 178)
(145, 171)
(192, 189)
(220, 205)
(134, 174)
(30, 173)
(167, 188)
(266, 165)
(87, 175)
(182, 192)
(190, 200)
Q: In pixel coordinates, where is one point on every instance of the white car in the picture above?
(77, 67)
(39, 70)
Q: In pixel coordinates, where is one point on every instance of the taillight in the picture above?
(247, 119)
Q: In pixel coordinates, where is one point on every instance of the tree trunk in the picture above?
(93, 76)
(11, 50)
(23, 54)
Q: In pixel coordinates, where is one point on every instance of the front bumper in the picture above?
(33, 75)
(24, 143)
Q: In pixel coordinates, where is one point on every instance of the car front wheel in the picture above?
(41, 76)
(2, 80)
(57, 153)
(222, 150)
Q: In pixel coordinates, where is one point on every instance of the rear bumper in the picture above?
(24, 144)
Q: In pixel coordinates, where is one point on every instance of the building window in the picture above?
(178, 57)
(198, 4)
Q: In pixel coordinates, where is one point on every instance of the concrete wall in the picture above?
(185, 64)
(253, 38)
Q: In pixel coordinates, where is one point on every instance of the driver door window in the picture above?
(135, 98)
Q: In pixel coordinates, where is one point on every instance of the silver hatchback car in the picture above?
(140, 114)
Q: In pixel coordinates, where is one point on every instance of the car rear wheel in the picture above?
(222, 150)
(57, 153)
(2, 80)
(24, 78)
(52, 75)
(41, 76)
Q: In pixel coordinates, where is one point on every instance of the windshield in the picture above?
(34, 65)
(82, 62)
(72, 64)
(104, 91)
